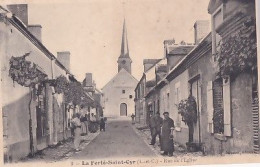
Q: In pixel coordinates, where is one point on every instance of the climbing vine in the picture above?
(24, 72)
(237, 53)
(188, 110)
(61, 85)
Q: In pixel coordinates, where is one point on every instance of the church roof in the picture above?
(124, 45)
(118, 74)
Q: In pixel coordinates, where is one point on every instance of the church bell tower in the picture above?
(124, 61)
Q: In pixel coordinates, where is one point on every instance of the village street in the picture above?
(111, 85)
(118, 141)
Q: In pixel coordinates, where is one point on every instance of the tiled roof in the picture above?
(151, 61)
(180, 50)
(161, 68)
(150, 83)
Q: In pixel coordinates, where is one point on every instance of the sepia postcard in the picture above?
(129, 82)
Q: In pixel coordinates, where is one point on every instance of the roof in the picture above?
(151, 61)
(151, 83)
(213, 5)
(17, 23)
(179, 49)
(161, 68)
(124, 44)
(179, 65)
(121, 71)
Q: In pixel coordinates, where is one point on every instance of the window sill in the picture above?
(220, 137)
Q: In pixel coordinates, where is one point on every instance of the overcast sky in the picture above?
(91, 30)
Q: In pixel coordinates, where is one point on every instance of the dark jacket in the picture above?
(166, 142)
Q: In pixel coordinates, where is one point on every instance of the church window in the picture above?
(123, 91)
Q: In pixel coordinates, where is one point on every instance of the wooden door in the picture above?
(123, 109)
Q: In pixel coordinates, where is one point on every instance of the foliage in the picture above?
(237, 52)
(218, 121)
(74, 93)
(188, 110)
(61, 85)
(86, 101)
(24, 72)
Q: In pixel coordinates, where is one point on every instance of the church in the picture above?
(118, 93)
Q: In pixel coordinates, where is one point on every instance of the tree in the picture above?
(26, 74)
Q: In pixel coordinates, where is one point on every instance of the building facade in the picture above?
(227, 112)
(48, 123)
(118, 93)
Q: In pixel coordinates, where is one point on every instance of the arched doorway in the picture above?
(123, 109)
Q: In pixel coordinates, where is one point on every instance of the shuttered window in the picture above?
(210, 106)
(219, 107)
(227, 107)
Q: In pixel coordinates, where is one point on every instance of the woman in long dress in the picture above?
(166, 136)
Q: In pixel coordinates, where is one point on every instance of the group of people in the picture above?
(163, 128)
(82, 125)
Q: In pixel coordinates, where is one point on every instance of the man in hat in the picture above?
(166, 136)
(156, 128)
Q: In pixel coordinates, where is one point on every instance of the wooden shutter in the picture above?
(210, 108)
(227, 107)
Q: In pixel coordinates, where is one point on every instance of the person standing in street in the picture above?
(93, 122)
(133, 118)
(77, 124)
(167, 145)
(151, 124)
(102, 124)
(84, 124)
(156, 129)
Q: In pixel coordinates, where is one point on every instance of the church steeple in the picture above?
(124, 60)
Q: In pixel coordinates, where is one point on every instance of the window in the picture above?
(219, 107)
(123, 91)
(158, 105)
(217, 19)
(130, 96)
(41, 115)
(177, 100)
(168, 101)
(218, 113)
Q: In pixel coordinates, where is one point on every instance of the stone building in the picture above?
(49, 116)
(227, 112)
(118, 93)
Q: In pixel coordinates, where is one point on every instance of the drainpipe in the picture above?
(257, 3)
(53, 107)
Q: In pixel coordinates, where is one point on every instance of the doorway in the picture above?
(196, 93)
(123, 109)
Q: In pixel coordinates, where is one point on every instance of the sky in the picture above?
(92, 30)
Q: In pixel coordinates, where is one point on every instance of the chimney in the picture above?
(89, 79)
(20, 11)
(148, 63)
(36, 30)
(201, 29)
(64, 58)
(169, 42)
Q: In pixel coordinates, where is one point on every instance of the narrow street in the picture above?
(119, 140)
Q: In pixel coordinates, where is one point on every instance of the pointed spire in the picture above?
(124, 44)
